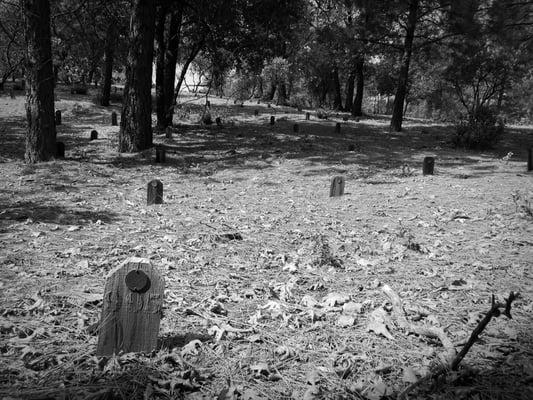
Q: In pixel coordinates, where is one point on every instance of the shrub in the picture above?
(480, 130)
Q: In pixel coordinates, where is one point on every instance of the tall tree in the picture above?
(109, 55)
(41, 133)
(136, 120)
(403, 76)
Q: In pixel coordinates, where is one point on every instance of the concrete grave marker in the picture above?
(338, 127)
(131, 312)
(337, 186)
(94, 135)
(272, 120)
(428, 165)
(154, 193)
(160, 155)
(114, 121)
(307, 116)
(218, 121)
(58, 117)
(60, 150)
(530, 159)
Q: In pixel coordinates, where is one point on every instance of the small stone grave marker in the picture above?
(131, 312)
(428, 165)
(272, 120)
(337, 186)
(307, 116)
(160, 155)
(269, 105)
(154, 193)
(338, 127)
(58, 117)
(94, 135)
(295, 128)
(60, 150)
(114, 121)
(218, 121)
(11, 93)
(530, 159)
(256, 112)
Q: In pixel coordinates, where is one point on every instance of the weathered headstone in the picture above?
(218, 121)
(351, 147)
(160, 155)
(131, 312)
(338, 127)
(337, 186)
(530, 159)
(114, 121)
(58, 117)
(154, 193)
(256, 112)
(272, 120)
(428, 165)
(307, 116)
(295, 128)
(60, 150)
(94, 135)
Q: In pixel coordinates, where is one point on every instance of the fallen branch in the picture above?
(493, 312)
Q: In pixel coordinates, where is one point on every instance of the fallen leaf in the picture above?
(377, 323)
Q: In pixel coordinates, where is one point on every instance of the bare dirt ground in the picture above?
(290, 304)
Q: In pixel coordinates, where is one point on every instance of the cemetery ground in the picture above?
(273, 289)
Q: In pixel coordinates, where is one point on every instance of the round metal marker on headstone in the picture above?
(137, 281)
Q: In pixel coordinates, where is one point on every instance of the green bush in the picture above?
(480, 130)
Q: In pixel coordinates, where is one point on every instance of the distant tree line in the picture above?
(438, 57)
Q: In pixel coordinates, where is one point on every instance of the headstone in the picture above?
(218, 120)
(168, 132)
(428, 166)
(154, 193)
(94, 135)
(307, 116)
(272, 120)
(337, 186)
(114, 121)
(60, 150)
(256, 112)
(530, 159)
(351, 147)
(299, 108)
(160, 155)
(338, 127)
(132, 306)
(58, 117)
(295, 128)
(258, 101)
(11, 93)
(269, 105)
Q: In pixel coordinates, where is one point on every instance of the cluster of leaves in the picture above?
(481, 130)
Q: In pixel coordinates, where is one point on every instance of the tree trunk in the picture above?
(350, 87)
(160, 52)
(271, 92)
(109, 54)
(337, 99)
(403, 78)
(171, 59)
(41, 133)
(136, 119)
(190, 59)
(357, 109)
(282, 94)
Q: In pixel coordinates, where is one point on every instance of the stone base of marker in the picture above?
(295, 128)
(58, 117)
(132, 307)
(114, 121)
(530, 159)
(94, 135)
(338, 127)
(272, 120)
(60, 150)
(428, 166)
(154, 193)
(337, 186)
(160, 155)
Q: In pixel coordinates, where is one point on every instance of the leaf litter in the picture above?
(273, 289)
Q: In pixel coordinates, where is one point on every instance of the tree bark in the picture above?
(357, 109)
(403, 78)
(109, 54)
(194, 52)
(160, 52)
(171, 59)
(350, 88)
(41, 133)
(136, 119)
(271, 92)
(337, 99)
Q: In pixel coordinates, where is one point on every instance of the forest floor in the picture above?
(274, 290)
